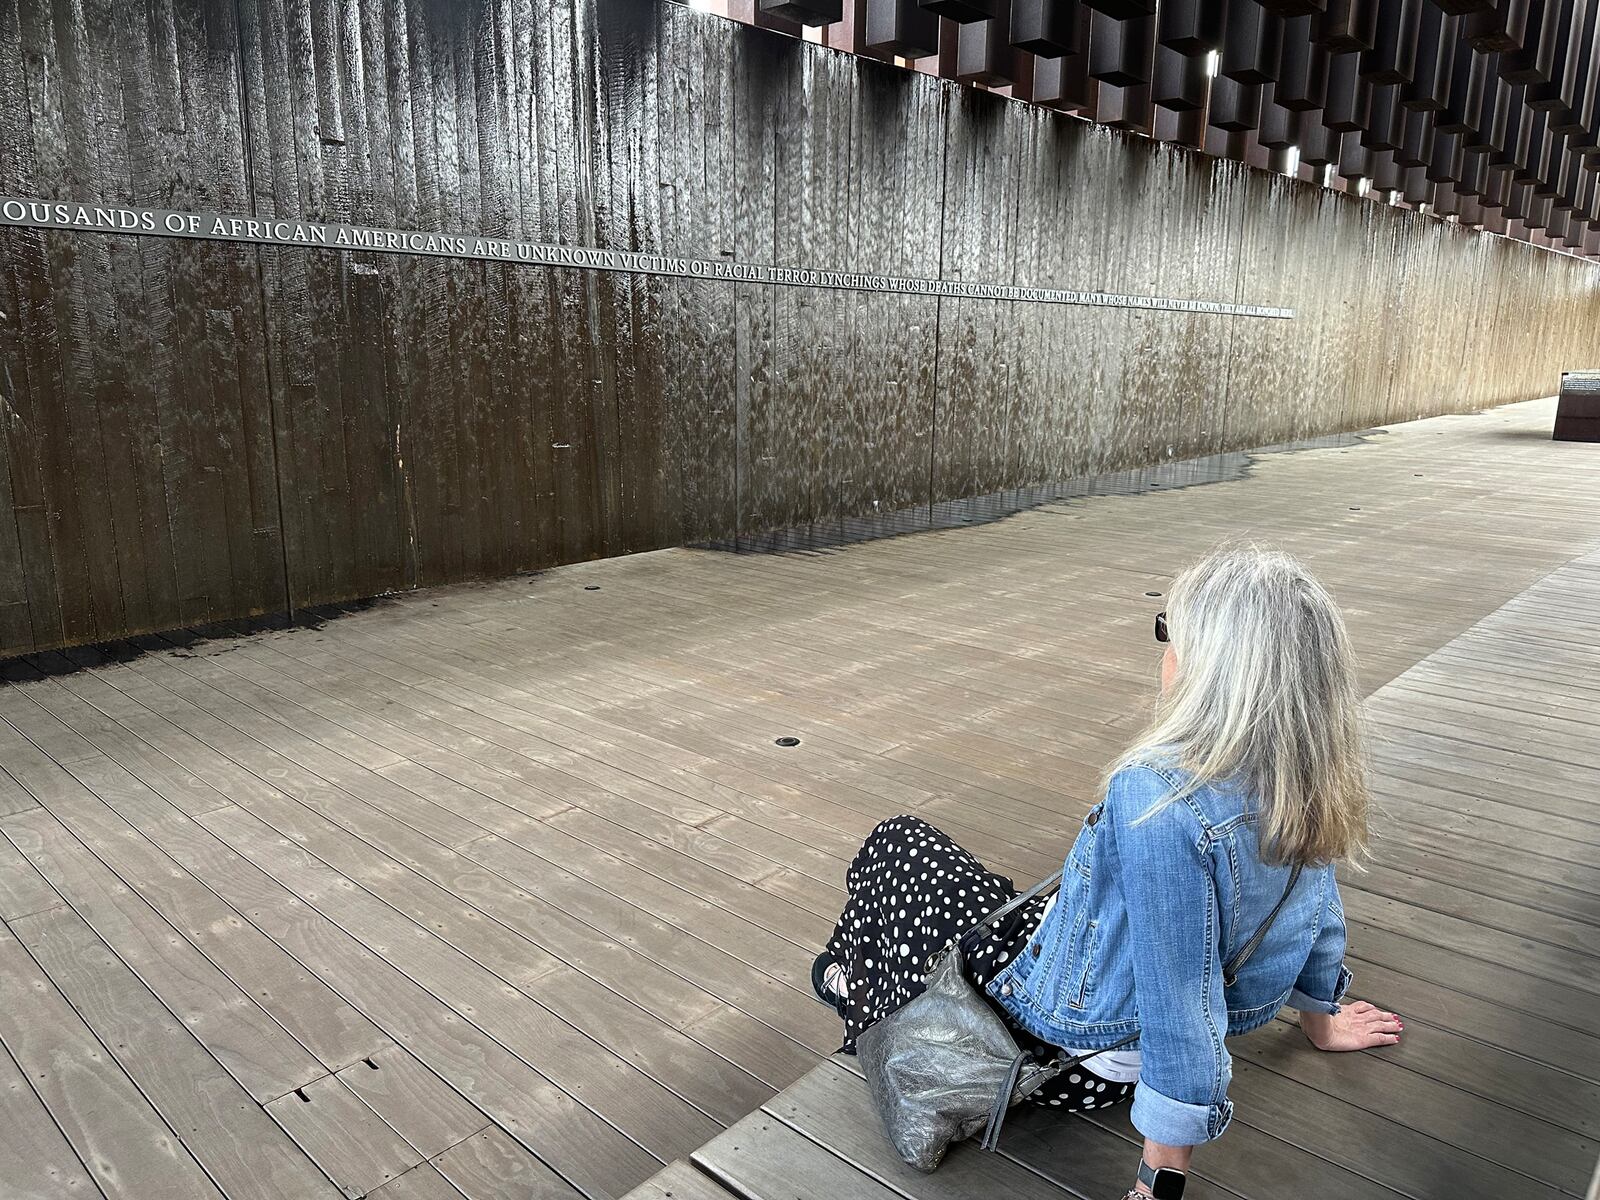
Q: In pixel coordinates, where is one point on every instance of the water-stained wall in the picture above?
(196, 430)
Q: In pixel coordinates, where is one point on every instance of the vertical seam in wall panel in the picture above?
(1221, 441)
(60, 621)
(261, 291)
(1403, 293)
(738, 362)
(1010, 317)
(938, 302)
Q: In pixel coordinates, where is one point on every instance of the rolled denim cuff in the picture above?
(1174, 1123)
(1304, 1002)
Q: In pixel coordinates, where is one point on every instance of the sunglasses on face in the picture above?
(1161, 627)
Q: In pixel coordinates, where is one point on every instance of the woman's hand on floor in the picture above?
(1355, 1027)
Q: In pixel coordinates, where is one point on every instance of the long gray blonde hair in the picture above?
(1265, 696)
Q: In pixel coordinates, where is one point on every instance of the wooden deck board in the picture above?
(413, 1101)
(39, 1162)
(535, 844)
(129, 1149)
(354, 1146)
(223, 1126)
(492, 1166)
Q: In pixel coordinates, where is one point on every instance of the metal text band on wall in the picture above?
(322, 235)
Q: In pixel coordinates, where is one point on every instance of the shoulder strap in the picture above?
(1231, 968)
(1045, 887)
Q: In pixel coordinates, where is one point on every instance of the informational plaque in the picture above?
(331, 235)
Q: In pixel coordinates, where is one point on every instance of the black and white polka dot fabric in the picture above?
(912, 889)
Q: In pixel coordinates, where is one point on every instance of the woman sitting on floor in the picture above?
(1236, 802)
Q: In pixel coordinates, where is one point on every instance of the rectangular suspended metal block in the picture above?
(1500, 28)
(1235, 106)
(1569, 55)
(1126, 107)
(1474, 175)
(1478, 137)
(1531, 149)
(1567, 176)
(1495, 190)
(984, 53)
(1508, 102)
(1049, 28)
(1544, 49)
(1123, 10)
(1121, 52)
(805, 12)
(1251, 43)
(1578, 408)
(1349, 104)
(1180, 80)
(1277, 129)
(1554, 96)
(1416, 141)
(1190, 26)
(1318, 145)
(1579, 52)
(1346, 25)
(1393, 57)
(1438, 42)
(1542, 166)
(1064, 83)
(1385, 119)
(1565, 122)
(1467, 86)
(1294, 8)
(901, 27)
(749, 12)
(1446, 203)
(1584, 140)
(1418, 189)
(1387, 175)
(1516, 205)
(1302, 82)
(963, 11)
(1355, 160)
(1186, 128)
(1445, 165)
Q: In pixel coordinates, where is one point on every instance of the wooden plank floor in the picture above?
(506, 890)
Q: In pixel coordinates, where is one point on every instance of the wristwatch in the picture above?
(1164, 1183)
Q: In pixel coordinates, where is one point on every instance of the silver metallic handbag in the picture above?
(945, 1065)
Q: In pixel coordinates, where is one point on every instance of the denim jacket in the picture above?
(1148, 914)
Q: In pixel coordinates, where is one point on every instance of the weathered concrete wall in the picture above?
(196, 430)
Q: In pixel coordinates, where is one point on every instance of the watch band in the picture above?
(1164, 1183)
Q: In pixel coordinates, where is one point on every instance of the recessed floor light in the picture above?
(591, 587)
(786, 741)
(1152, 593)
